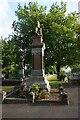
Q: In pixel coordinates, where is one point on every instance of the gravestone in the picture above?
(37, 49)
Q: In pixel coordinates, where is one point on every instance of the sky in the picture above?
(8, 7)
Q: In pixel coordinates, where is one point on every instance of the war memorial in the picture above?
(36, 88)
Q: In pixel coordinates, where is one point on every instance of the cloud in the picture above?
(17, 1)
(5, 21)
(6, 12)
(6, 16)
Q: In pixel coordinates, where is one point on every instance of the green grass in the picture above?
(54, 81)
(6, 88)
(51, 77)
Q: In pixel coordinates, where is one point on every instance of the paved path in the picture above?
(44, 111)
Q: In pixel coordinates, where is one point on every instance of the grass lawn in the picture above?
(51, 77)
(6, 88)
(54, 81)
(57, 82)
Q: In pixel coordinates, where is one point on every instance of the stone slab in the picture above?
(15, 100)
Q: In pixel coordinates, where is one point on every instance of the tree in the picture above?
(8, 55)
(24, 28)
(61, 37)
(60, 33)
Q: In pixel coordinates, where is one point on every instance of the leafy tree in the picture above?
(24, 28)
(8, 55)
(76, 68)
(61, 37)
(60, 34)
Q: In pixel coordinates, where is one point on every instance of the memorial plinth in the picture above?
(37, 49)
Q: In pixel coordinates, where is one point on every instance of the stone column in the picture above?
(37, 56)
(37, 48)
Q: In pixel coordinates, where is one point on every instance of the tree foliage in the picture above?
(60, 34)
(61, 37)
(24, 28)
(8, 56)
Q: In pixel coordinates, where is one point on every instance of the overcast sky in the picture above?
(8, 7)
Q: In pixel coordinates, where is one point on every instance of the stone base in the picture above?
(35, 80)
(37, 72)
(38, 77)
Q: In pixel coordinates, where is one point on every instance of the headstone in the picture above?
(38, 47)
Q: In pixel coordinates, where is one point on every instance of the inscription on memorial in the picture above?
(36, 51)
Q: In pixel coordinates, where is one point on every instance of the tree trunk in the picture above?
(58, 69)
